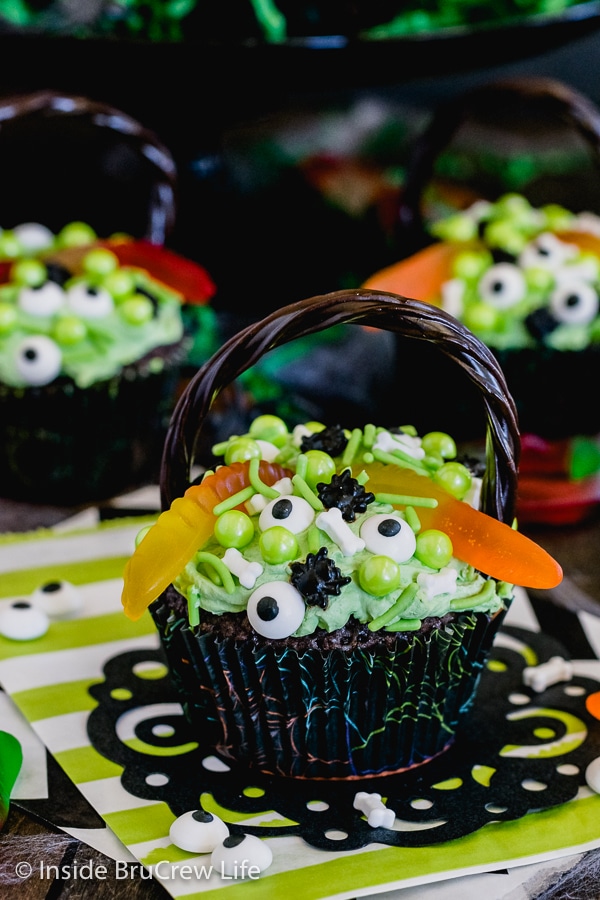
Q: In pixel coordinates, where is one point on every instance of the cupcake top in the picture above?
(311, 528)
(519, 276)
(84, 322)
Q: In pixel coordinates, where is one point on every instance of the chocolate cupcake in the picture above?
(93, 333)
(521, 268)
(327, 598)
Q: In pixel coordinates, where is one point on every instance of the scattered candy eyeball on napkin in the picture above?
(198, 831)
(30, 617)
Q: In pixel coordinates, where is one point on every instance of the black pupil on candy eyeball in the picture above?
(21, 604)
(51, 587)
(282, 509)
(201, 816)
(30, 353)
(389, 527)
(234, 840)
(267, 609)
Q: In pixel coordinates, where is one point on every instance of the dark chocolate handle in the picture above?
(557, 100)
(163, 192)
(409, 318)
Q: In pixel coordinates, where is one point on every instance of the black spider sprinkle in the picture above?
(345, 493)
(318, 578)
(331, 440)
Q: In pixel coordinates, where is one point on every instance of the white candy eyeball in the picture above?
(198, 831)
(22, 621)
(38, 360)
(88, 301)
(276, 609)
(575, 303)
(58, 599)
(389, 535)
(502, 285)
(241, 855)
(294, 513)
(44, 300)
(33, 237)
(546, 252)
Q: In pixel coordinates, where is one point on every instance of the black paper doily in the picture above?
(517, 752)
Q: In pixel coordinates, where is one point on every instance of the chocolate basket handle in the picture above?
(163, 193)
(560, 101)
(409, 318)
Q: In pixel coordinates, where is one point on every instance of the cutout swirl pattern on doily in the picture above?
(517, 752)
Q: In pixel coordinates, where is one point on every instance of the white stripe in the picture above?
(26, 672)
(107, 795)
(98, 598)
(521, 614)
(41, 550)
(65, 732)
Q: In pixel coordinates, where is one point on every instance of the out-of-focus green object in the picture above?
(11, 760)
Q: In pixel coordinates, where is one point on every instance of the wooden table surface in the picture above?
(29, 838)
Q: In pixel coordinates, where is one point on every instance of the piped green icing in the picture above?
(417, 595)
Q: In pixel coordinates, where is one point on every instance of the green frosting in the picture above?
(90, 348)
(516, 281)
(423, 586)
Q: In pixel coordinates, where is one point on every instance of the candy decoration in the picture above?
(182, 530)
(198, 831)
(11, 760)
(241, 855)
(22, 621)
(492, 547)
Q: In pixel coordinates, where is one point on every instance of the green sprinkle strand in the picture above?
(406, 500)
(352, 447)
(412, 518)
(209, 559)
(308, 494)
(398, 458)
(255, 480)
(369, 436)
(475, 600)
(405, 625)
(397, 608)
(234, 500)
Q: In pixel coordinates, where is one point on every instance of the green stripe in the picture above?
(147, 823)
(23, 582)
(571, 823)
(85, 764)
(57, 699)
(79, 633)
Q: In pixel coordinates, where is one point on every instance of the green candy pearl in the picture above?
(234, 528)
(379, 575)
(278, 545)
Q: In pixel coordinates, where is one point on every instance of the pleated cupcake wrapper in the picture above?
(329, 714)
(66, 445)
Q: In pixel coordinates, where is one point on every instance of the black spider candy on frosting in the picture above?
(331, 440)
(318, 578)
(345, 493)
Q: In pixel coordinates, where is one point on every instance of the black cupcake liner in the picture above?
(335, 714)
(67, 445)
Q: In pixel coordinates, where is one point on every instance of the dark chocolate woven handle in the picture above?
(409, 318)
(51, 104)
(559, 101)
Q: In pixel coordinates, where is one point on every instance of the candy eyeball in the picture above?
(38, 360)
(241, 855)
(89, 301)
(276, 609)
(503, 285)
(574, 304)
(23, 621)
(45, 300)
(547, 252)
(58, 599)
(389, 535)
(198, 831)
(33, 236)
(294, 513)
